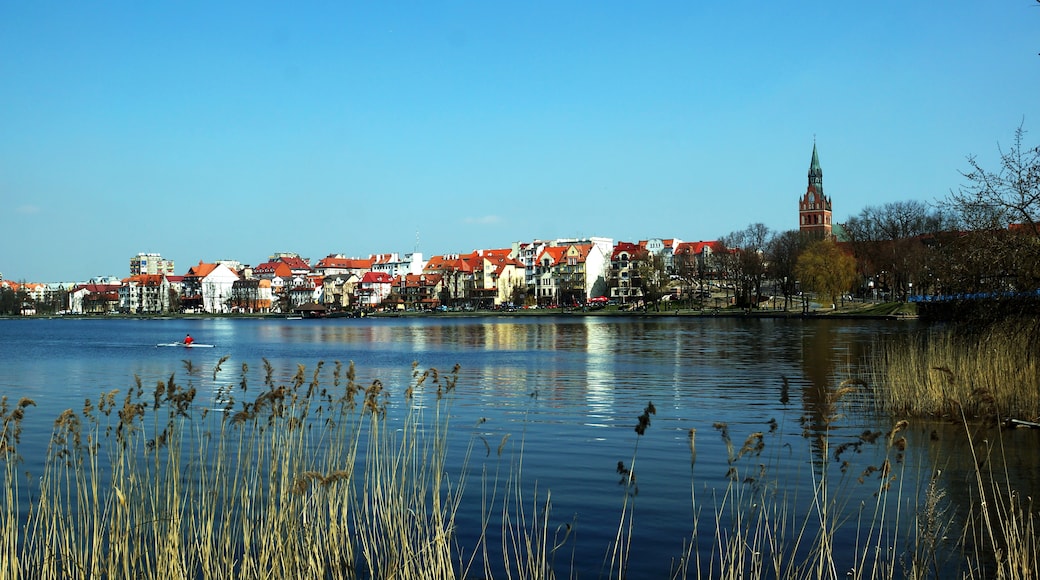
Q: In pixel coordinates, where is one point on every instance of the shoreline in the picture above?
(883, 311)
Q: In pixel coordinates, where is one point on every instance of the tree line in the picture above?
(983, 238)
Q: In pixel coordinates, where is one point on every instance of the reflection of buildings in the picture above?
(599, 349)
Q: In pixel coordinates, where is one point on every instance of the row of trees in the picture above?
(15, 302)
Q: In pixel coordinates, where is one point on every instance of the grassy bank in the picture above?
(315, 478)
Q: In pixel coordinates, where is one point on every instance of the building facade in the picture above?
(152, 264)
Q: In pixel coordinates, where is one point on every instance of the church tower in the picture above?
(814, 209)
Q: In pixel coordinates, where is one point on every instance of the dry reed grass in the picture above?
(293, 480)
(986, 372)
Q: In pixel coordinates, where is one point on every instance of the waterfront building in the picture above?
(496, 277)
(145, 294)
(339, 291)
(419, 291)
(373, 289)
(252, 295)
(624, 280)
(94, 298)
(208, 288)
(397, 266)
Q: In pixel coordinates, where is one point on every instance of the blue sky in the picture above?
(229, 130)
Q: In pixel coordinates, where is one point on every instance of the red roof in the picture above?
(295, 262)
(146, 279)
(345, 263)
(697, 247)
(201, 270)
(278, 269)
(97, 288)
(554, 254)
(377, 278)
(451, 263)
(635, 250)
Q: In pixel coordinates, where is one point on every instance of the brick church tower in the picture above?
(814, 209)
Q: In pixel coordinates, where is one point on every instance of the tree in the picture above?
(1011, 195)
(782, 253)
(825, 269)
(687, 267)
(1001, 211)
(10, 303)
(652, 277)
(746, 262)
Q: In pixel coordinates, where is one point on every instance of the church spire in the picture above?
(815, 172)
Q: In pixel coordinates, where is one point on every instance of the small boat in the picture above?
(192, 345)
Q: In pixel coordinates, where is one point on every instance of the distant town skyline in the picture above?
(234, 130)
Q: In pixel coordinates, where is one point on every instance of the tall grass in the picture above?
(307, 478)
(987, 371)
(270, 483)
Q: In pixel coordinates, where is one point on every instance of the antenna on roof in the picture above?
(416, 250)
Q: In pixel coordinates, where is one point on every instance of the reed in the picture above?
(989, 371)
(909, 528)
(761, 528)
(315, 476)
(269, 482)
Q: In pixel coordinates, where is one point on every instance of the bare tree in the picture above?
(1001, 211)
(746, 262)
(652, 277)
(1011, 195)
(782, 253)
(688, 268)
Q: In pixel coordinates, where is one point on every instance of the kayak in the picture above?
(192, 345)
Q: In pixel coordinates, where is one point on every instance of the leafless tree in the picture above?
(1000, 251)
(746, 262)
(1011, 195)
(782, 253)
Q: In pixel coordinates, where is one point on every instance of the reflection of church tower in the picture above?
(814, 209)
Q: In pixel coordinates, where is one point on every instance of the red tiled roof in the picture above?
(145, 279)
(279, 269)
(554, 253)
(201, 270)
(697, 247)
(635, 250)
(97, 288)
(376, 278)
(295, 263)
(345, 263)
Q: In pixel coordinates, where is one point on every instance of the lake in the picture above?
(569, 389)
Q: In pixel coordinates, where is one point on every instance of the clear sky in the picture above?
(233, 130)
